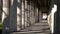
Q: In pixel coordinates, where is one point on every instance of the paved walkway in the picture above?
(38, 28)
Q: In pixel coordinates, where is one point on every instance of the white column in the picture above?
(18, 15)
(49, 20)
(26, 13)
(23, 14)
(52, 16)
(5, 16)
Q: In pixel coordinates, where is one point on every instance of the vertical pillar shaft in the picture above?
(28, 15)
(40, 15)
(23, 18)
(36, 14)
(18, 15)
(21, 15)
(31, 13)
(13, 15)
(49, 19)
(26, 10)
(5, 17)
(32, 19)
(53, 11)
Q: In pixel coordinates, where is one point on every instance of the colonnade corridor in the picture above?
(38, 28)
(28, 16)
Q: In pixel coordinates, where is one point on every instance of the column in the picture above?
(13, 15)
(5, 17)
(30, 14)
(40, 15)
(19, 15)
(36, 14)
(53, 11)
(33, 13)
(49, 19)
(23, 14)
(26, 13)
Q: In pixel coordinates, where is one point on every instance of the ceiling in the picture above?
(42, 4)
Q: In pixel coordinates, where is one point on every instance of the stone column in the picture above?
(52, 16)
(49, 20)
(36, 14)
(26, 13)
(40, 15)
(23, 14)
(13, 15)
(33, 13)
(30, 13)
(5, 17)
(19, 15)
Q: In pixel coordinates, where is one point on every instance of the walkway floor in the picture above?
(38, 28)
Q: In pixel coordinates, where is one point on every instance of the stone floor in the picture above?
(38, 28)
